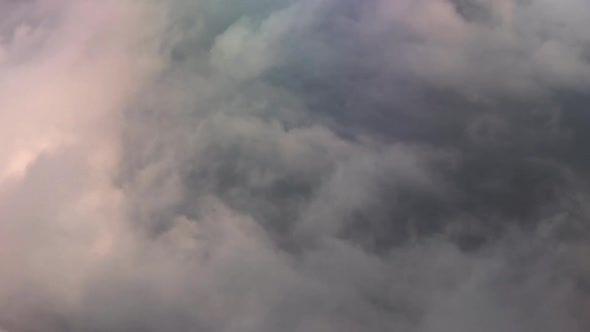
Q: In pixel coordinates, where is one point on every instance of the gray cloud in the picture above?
(295, 165)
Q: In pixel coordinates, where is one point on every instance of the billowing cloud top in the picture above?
(294, 165)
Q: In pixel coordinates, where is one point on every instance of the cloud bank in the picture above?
(294, 165)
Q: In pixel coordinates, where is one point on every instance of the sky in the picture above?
(294, 165)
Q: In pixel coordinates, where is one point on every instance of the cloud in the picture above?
(300, 165)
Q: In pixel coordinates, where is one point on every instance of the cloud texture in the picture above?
(294, 165)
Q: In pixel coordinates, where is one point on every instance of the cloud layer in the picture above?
(294, 165)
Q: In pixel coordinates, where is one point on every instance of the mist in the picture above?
(294, 165)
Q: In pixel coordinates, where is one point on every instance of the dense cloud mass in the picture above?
(294, 165)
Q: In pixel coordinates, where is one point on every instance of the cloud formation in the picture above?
(293, 165)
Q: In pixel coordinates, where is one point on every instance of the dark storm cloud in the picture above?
(296, 165)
